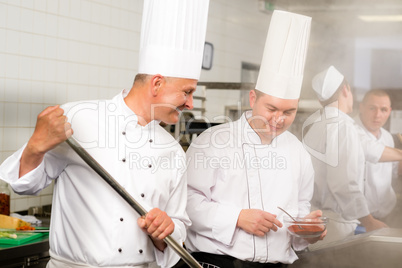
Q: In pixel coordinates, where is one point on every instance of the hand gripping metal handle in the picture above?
(130, 200)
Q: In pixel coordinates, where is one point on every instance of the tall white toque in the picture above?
(282, 66)
(173, 37)
(326, 83)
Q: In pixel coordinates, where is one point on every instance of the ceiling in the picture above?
(338, 5)
(344, 14)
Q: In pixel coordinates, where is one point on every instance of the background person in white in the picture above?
(240, 172)
(374, 111)
(91, 225)
(339, 154)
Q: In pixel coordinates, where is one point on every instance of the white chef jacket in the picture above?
(90, 222)
(230, 170)
(338, 159)
(380, 195)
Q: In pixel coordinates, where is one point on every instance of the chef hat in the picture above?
(326, 83)
(282, 66)
(173, 37)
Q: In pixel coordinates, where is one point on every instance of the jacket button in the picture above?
(120, 250)
(142, 195)
(140, 251)
(124, 160)
(121, 219)
(149, 165)
(150, 140)
(124, 133)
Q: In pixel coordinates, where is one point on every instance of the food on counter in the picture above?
(8, 235)
(8, 222)
(25, 228)
(4, 204)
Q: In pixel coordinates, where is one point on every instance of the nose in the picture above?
(278, 119)
(376, 113)
(189, 102)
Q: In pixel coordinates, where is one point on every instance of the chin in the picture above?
(171, 120)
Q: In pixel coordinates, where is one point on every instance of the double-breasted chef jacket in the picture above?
(380, 195)
(90, 222)
(230, 170)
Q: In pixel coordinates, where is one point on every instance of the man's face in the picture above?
(374, 112)
(271, 115)
(175, 95)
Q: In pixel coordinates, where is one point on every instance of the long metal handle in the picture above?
(130, 200)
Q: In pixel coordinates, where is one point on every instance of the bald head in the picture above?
(378, 93)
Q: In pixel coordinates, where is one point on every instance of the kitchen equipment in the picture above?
(289, 216)
(128, 198)
(31, 253)
(305, 227)
(35, 211)
(379, 248)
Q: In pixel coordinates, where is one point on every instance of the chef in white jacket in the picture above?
(239, 173)
(339, 153)
(374, 111)
(91, 225)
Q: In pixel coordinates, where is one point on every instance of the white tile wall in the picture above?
(56, 51)
(238, 31)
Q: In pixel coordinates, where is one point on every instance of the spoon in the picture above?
(290, 217)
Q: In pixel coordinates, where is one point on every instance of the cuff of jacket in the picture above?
(224, 223)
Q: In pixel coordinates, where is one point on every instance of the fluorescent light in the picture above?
(381, 18)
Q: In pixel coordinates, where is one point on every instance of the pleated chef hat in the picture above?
(282, 66)
(173, 37)
(326, 83)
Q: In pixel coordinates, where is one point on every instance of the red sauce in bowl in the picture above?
(306, 230)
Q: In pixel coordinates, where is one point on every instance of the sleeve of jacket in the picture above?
(29, 184)
(176, 209)
(209, 218)
(37, 179)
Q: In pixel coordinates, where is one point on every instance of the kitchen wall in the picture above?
(57, 51)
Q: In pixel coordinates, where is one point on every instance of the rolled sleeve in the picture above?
(29, 184)
(9, 171)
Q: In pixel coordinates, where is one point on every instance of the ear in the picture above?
(345, 91)
(252, 97)
(155, 84)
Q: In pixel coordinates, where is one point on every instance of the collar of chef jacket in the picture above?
(360, 123)
(128, 112)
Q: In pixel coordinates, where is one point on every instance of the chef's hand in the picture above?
(371, 223)
(313, 215)
(51, 129)
(257, 222)
(158, 225)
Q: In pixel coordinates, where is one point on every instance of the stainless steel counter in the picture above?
(32, 254)
(380, 248)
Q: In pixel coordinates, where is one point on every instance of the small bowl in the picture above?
(305, 228)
